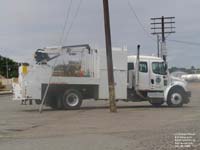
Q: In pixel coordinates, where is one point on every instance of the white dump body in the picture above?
(94, 64)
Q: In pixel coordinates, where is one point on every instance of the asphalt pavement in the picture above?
(137, 126)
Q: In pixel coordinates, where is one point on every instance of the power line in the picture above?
(138, 20)
(50, 78)
(184, 42)
(65, 23)
(74, 18)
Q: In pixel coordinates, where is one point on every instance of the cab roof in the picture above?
(142, 57)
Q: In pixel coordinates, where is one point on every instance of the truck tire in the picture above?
(175, 97)
(156, 104)
(72, 99)
(38, 101)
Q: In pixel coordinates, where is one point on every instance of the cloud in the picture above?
(30, 24)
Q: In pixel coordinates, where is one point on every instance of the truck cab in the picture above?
(153, 75)
(148, 79)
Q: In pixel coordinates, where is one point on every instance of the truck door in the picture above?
(158, 76)
(144, 81)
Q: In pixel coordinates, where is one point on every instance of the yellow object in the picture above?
(24, 69)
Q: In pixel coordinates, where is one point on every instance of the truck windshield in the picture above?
(159, 68)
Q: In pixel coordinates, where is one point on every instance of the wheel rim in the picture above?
(176, 98)
(72, 100)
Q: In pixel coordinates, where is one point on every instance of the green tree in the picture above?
(12, 66)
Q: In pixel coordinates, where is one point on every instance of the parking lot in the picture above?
(137, 126)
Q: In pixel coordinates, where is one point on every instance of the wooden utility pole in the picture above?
(158, 46)
(111, 84)
(163, 44)
(163, 25)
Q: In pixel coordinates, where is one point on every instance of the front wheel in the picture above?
(72, 99)
(175, 98)
(156, 104)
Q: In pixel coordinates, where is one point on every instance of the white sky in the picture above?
(30, 24)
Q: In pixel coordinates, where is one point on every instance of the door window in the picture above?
(143, 67)
(158, 68)
(130, 66)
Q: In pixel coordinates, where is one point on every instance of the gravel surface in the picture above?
(137, 126)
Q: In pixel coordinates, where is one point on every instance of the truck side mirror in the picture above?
(166, 67)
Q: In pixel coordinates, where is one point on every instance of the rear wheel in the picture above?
(72, 99)
(38, 101)
(175, 98)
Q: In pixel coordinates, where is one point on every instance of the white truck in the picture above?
(64, 76)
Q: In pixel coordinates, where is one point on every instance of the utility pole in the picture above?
(158, 46)
(111, 84)
(163, 25)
